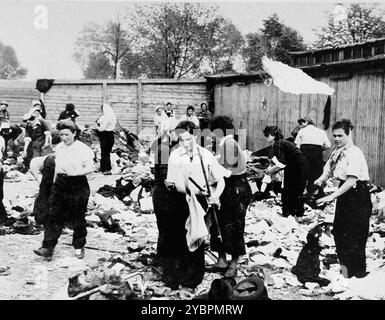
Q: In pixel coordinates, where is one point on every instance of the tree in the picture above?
(9, 65)
(223, 42)
(174, 40)
(110, 40)
(354, 24)
(275, 40)
(98, 67)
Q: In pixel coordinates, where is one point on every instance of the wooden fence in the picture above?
(252, 103)
(19, 95)
(359, 98)
(133, 101)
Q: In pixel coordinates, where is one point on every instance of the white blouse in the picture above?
(72, 158)
(180, 168)
(312, 135)
(351, 163)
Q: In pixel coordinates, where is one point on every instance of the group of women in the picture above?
(201, 194)
(347, 165)
(198, 194)
(181, 196)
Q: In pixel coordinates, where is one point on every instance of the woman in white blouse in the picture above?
(353, 209)
(106, 123)
(70, 191)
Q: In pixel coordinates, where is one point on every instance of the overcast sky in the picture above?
(48, 53)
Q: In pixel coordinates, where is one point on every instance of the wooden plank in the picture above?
(139, 108)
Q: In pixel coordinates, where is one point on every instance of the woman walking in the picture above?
(186, 230)
(107, 123)
(70, 191)
(234, 199)
(289, 158)
(353, 209)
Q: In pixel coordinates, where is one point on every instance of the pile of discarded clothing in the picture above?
(19, 219)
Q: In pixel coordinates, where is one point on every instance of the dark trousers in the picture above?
(67, 203)
(351, 228)
(231, 217)
(294, 185)
(106, 143)
(41, 207)
(3, 213)
(313, 154)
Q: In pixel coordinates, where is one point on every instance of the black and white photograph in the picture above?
(209, 153)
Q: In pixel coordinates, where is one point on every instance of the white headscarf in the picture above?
(108, 114)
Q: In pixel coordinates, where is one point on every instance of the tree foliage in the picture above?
(163, 40)
(98, 67)
(353, 24)
(275, 40)
(172, 37)
(110, 40)
(223, 42)
(9, 65)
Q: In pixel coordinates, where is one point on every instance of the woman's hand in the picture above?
(325, 200)
(318, 182)
(214, 200)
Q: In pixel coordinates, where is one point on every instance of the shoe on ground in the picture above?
(44, 252)
(79, 253)
(231, 272)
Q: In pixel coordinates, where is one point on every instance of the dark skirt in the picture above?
(295, 178)
(313, 154)
(67, 204)
(231, 217)
(180, 266)
(351, 228)
(161, 201)
(41, 208)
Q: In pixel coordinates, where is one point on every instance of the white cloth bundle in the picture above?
(293, 80)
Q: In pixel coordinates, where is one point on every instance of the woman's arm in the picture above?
(348, 184)
(214, 199)
(86, 168)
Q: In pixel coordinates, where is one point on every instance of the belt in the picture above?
(63, 175)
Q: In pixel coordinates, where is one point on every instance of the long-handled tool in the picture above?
(212, 207)
(99, 249)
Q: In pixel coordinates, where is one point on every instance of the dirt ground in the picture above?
(33, 278)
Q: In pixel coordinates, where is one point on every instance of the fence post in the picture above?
(104, 92)
(139, 106)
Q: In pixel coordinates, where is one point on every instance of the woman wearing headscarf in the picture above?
(106, 123)
(160, 118)
(353, 209)
(70, 191)
(289, 158)
(186, 229)
(234, 199)
(204, 116)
